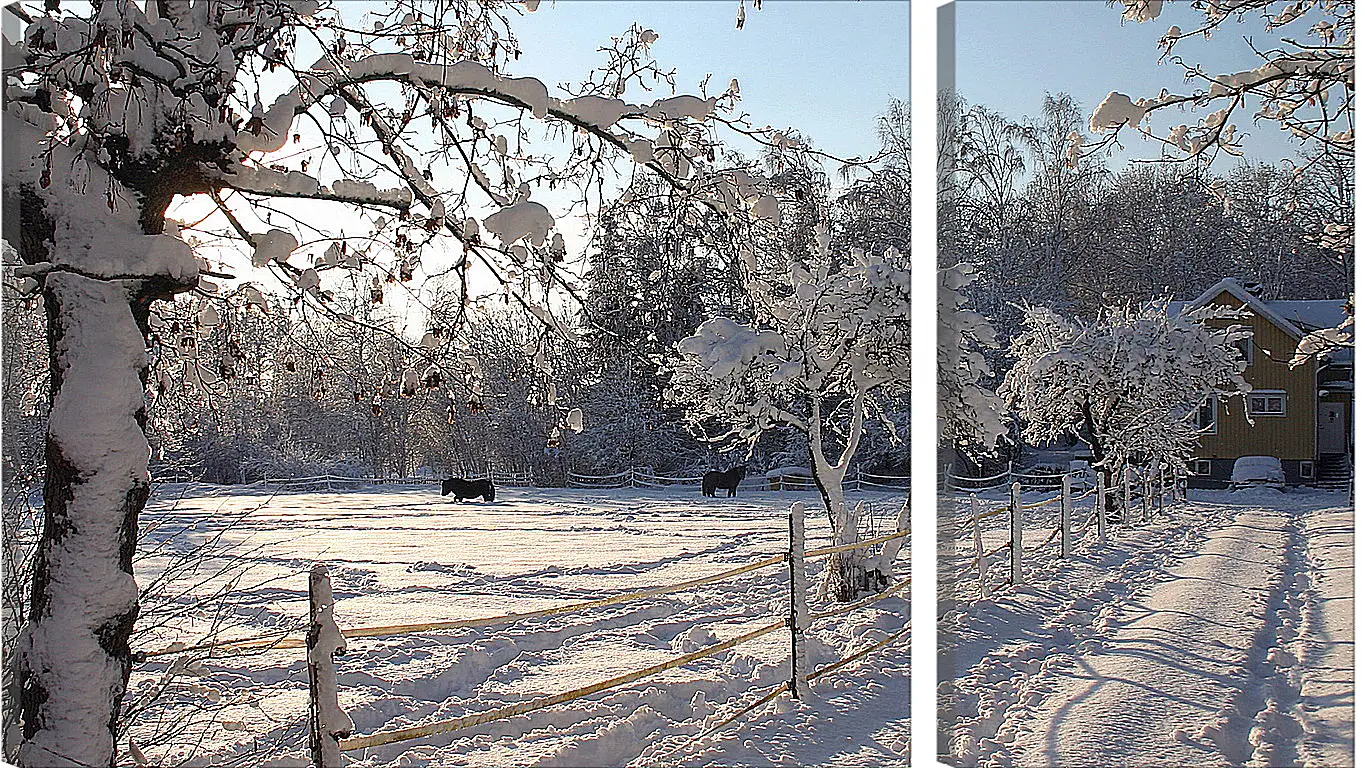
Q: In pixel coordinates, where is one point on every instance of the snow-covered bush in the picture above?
(969, 414)
(829, 349)
(1129, 383)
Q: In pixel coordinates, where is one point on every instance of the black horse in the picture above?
(729, 480)
(467, 489)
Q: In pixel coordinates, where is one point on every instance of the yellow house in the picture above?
(1300, 415)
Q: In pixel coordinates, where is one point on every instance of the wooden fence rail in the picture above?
(1149, 487)
(638, 477)
(797, 620)
(330, 727)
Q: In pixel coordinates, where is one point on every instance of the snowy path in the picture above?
(1208, 642)
(1329, 642)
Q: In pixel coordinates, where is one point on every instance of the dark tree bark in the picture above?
(73, 658)
(1098, 454)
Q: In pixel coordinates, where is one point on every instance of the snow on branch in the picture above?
(1129, 383)
(1307, 86)
(971, 416)
(1323, 342)
(833, 331)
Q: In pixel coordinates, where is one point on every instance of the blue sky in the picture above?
(1011, 52)
(826, 68)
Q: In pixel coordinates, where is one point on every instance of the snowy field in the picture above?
(1219, 634)
(404, 555)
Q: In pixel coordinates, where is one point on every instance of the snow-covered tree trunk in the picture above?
(1099, 453)
(847, 574)
(74, 658)
(831, 350)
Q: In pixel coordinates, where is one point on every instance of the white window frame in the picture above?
(1212, 404)
(1202, 467)
(1311, 470)
(1247, 347)
(1264, 394)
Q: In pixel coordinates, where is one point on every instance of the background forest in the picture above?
(248, 386)
(1071, 233)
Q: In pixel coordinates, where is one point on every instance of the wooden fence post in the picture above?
(1101, 507)
(1016, 535)
(328, 723)
(1127, 492)
(799, 616)
(978, 550)
(1066, 516)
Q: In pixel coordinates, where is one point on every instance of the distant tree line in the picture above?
(245, 386)
(1047, 225)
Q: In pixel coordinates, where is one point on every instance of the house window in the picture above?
(1206, 417)
(1247, 347)
(1306, 469)
(1267, 403)
(1202, 467)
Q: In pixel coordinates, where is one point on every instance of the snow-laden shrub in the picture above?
(969, 414)
(829, 350)
(1129, 383)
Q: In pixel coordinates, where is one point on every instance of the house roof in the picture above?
(1312, 315)
(1294, 317)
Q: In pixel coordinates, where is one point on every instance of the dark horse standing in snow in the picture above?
(467, 489)
(729, 480)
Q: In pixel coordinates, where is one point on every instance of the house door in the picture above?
(1331, 428)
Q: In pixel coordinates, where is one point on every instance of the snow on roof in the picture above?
(1295, 317)
(1312, 315)
(788, 472)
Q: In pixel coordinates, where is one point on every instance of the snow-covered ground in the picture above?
(404, 555)
(1219, 634)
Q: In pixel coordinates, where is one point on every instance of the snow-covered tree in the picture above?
(970, 415)
(403, 135)
(1129, 383)
(1304, 79)
(874, 213)
(830, 345)
(1327, 340)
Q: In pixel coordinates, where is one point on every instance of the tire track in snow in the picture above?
(1327, 693)
(1169, 686)
(991, 652)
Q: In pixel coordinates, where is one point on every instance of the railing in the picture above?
(638, 477)
(796, 622)
(953, 482)
(330, 728)
(1137, 496)
(332, 482)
